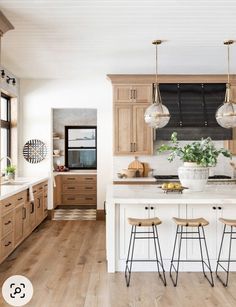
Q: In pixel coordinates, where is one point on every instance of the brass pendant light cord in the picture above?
(228, 57)
(156, 63)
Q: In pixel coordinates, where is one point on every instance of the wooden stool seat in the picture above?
(228, 222)
(191, 222)
(144, 222)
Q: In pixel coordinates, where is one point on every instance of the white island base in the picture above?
(146, 201)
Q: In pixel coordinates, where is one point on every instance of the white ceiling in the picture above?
(71, 38)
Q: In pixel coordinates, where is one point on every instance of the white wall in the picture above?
(38, 97)
(161, 166)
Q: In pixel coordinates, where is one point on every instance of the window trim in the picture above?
(6, 124)
(67, 148)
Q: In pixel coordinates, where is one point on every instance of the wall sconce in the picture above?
(12, 80)
(3, 74)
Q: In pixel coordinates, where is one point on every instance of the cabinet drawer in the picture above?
(79, 189)
(21, 197)
(8, 204)
(38, 188)
(79, 179)
(86, 179)
(7, 223)
(7, 245)
(79, 200)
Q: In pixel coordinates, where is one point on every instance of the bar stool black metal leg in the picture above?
(178, 259)
(159, 261)
(200, 245)
(208, 264)
(128, 267)
(229, 257)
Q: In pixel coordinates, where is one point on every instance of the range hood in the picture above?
(192, 107)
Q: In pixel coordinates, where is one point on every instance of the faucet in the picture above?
(7, 158)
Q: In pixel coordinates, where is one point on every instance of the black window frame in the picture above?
(6, 124)
(66, 146)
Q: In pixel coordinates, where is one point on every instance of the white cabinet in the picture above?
(213, 231)
(144, 249)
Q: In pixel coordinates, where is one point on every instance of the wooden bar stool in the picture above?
(152, 222)
(198, 223)
(230, 224)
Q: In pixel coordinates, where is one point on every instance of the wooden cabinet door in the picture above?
(141, 250)
(18, 223)
(39, 208)
(123, 129)
(45, 203)
(122, 93)
(26, 219)
(142, 93)
(142, 133)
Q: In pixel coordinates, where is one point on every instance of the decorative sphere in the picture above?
(157, 115)
(226, 115)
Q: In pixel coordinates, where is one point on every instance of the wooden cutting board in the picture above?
(146, 169)
(137, 165)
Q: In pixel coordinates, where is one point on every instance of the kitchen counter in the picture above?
(137, 180)
(145, 201)
(24, 184)
(77, 172)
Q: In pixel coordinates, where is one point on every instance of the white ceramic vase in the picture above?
(193, 176)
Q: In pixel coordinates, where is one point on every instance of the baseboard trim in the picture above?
(100, 215)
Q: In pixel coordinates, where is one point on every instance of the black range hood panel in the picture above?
(194, 133)
(192, 108)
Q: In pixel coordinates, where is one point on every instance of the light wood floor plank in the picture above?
(65, 260)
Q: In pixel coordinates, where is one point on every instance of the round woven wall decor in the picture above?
(34, 151)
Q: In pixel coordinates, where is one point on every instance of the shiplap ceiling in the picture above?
(71, 38)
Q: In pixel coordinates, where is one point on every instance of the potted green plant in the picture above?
(197, 156)
(10, 172)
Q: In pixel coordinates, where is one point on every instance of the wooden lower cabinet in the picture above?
(76, 190)
(19, 217)
(18, 224)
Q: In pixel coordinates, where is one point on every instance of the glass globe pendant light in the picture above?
(157, 115)
(226, 113)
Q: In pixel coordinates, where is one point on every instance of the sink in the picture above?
(14, 183)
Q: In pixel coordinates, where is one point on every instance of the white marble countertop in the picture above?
(152, 194)
(136, 179)
(77, 172)
(23, 184)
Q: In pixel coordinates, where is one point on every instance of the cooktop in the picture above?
(169, 177)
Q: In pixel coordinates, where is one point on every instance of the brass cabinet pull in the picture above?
(8, 205)
(134, 147)
(71, 188)
(71, 178)
(19, 198)
(40, 188)
(7, 223)
(131, 94)
(131, 147)
(9, 242)
(88, 178)
(88, 188)
(134, 95)
(70, 198)
(88, 198)
(39, 203)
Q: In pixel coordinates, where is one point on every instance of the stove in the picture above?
(217, 179)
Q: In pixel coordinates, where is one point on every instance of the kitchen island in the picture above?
(146, 201)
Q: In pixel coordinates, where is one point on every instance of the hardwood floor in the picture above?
(65, 260)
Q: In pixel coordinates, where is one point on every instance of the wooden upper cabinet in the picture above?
(132, 93)
(132, 135)
(142, 133)
(123, 117)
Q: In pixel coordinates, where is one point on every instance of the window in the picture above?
(81, 147)
(5, 130)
